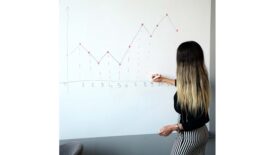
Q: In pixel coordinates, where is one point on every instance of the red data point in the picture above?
(177, 30)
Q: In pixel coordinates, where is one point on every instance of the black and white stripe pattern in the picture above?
(191, 142)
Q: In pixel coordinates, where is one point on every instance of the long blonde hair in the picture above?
(192, 78)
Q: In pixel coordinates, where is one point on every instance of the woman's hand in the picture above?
(161, 78)
(168, 129)
(157, 78)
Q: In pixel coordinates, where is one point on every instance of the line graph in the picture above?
(119, 61)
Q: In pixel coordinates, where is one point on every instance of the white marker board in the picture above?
(108, 51)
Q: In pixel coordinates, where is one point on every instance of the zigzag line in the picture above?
(142, 26)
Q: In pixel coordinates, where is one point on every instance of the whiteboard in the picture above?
(108, 51)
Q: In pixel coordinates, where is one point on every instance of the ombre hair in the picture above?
(193, 88)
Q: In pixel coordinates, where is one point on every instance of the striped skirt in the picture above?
(191, 142)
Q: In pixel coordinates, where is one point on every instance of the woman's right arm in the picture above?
(161, 78)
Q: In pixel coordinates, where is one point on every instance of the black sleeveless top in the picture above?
(188, 121)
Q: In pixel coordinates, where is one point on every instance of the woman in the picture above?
(191, 101)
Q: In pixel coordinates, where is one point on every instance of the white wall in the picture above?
(106, 99)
